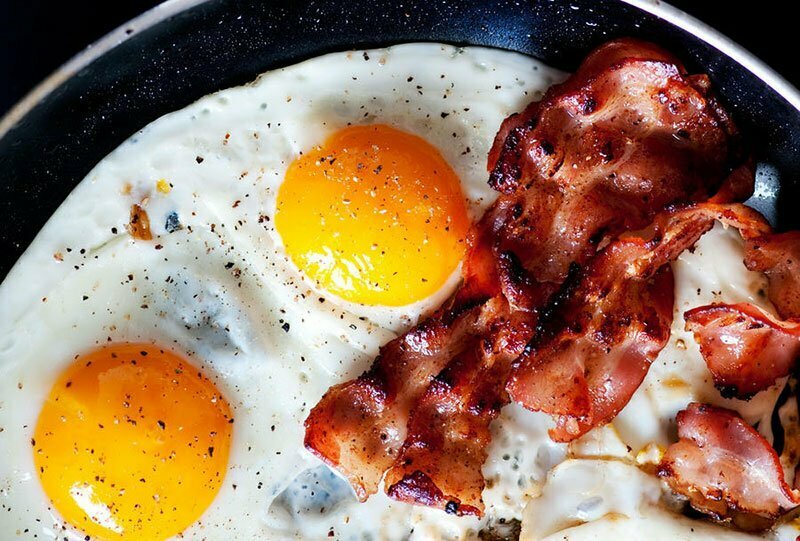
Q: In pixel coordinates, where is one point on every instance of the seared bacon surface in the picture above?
(726, 468)
(359, 426)
(602, 153)
(594, 349)
(746, 349)
(626, 135)
(448, 431)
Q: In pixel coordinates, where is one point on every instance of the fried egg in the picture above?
(163, 338)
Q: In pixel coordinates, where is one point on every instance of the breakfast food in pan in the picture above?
(298, 310)
(598, 155)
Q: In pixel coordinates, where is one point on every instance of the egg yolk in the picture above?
(132, 443)
(374, 215)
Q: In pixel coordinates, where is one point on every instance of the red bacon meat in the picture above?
(595, 347)
(726, 468)
(746, 349)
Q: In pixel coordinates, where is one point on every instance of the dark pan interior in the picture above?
(221, 43)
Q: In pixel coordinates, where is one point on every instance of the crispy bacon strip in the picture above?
(746, 349)
(618, 173)
(585, 373)
(778, 256)
(448, 431)
(359, 426)
(628, 134)
(607, 327)
(726, 468)
(594, 349)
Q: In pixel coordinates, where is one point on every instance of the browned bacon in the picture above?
(359, 426)
(726, 468)
(585, 372)
(626, 135)
(448, 431)
(558, 217)
(746, 349)
(594, 349)
(778, 256)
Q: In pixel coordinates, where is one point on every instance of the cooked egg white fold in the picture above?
(607, 499)
(614, 498)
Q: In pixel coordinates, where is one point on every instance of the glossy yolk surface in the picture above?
(375, 215)
(132, 443)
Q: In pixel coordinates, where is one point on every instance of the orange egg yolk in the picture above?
(132, 443)
(374, 215)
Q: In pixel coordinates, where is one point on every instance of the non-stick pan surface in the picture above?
(49, 143)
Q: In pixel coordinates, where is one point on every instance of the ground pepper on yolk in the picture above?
(374, 215)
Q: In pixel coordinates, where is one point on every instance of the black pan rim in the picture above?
(182, 50)
(169, 8)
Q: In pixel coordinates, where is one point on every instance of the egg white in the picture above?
(220, 290)
(215, 285)
(601, 492)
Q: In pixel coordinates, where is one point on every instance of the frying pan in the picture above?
(184, 49)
